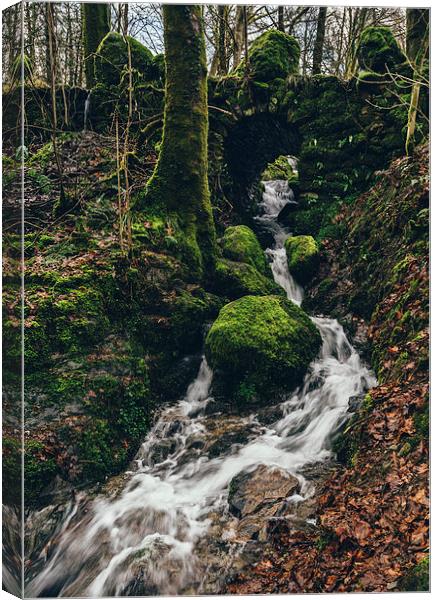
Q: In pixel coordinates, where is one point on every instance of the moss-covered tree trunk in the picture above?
(95, 25)
(179, 181)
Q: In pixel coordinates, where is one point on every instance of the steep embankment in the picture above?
(372, 513)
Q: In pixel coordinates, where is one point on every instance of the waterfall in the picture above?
(145, 538)
(86, 111)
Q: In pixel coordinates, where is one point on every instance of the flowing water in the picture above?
(149, 535)
(86, 111)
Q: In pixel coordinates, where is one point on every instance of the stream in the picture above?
(164, 527)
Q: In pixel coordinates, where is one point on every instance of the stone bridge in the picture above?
(341, 131)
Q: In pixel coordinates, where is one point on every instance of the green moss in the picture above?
(367, 80)
(39, 470)
(303, 257)
(346, 444)
(42, 157)
(239, 243)
(98, 456)
(11, 470)
(272, 54)
(235, 279)
(111, 60)
(280, 169)
(378, 50)
(417, 579)
(261, 343)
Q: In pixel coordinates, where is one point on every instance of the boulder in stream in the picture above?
(303, 257)
(236, 279)
(260, 346)
(239, 243)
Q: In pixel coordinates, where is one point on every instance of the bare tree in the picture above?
(319, 41)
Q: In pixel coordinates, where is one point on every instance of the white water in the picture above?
(150, 530)
(86, 111)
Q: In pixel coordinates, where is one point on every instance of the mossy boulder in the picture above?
(112, 59)
(261, 345)
(239, 243)
(281, 169)
(378, 50)
(303, 257)
(235, 279)
(273, 54)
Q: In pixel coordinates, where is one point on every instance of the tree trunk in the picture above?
(95, 25)
(417, 49)
(281, 18)
(222, 58)
(319, 41)
(179, 181)
(126, 19)
(238, 36)
(417, 26)
(358, 20)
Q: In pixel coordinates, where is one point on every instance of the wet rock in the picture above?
(161, 451)
(287, 210)
(255, 526)
(354, 402)
(226, 431)
(259, 489)
(270, 414)
(225, 442)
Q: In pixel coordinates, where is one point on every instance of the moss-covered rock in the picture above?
(235, 279)
(111, 59)
(261, 344)
(282, 169)
(378, 50)
(303, 257)
(239, 243)
(273, 54)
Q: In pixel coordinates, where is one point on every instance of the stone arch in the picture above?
(249, 146)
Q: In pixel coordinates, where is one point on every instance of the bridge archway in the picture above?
(250, 145)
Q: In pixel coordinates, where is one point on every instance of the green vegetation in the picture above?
(273, 54)
(303, 257)
(418, 578)
(239, 243)
(378, 51)
(112, 59)
(262, 343)
(280, 169)
(235, 279)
